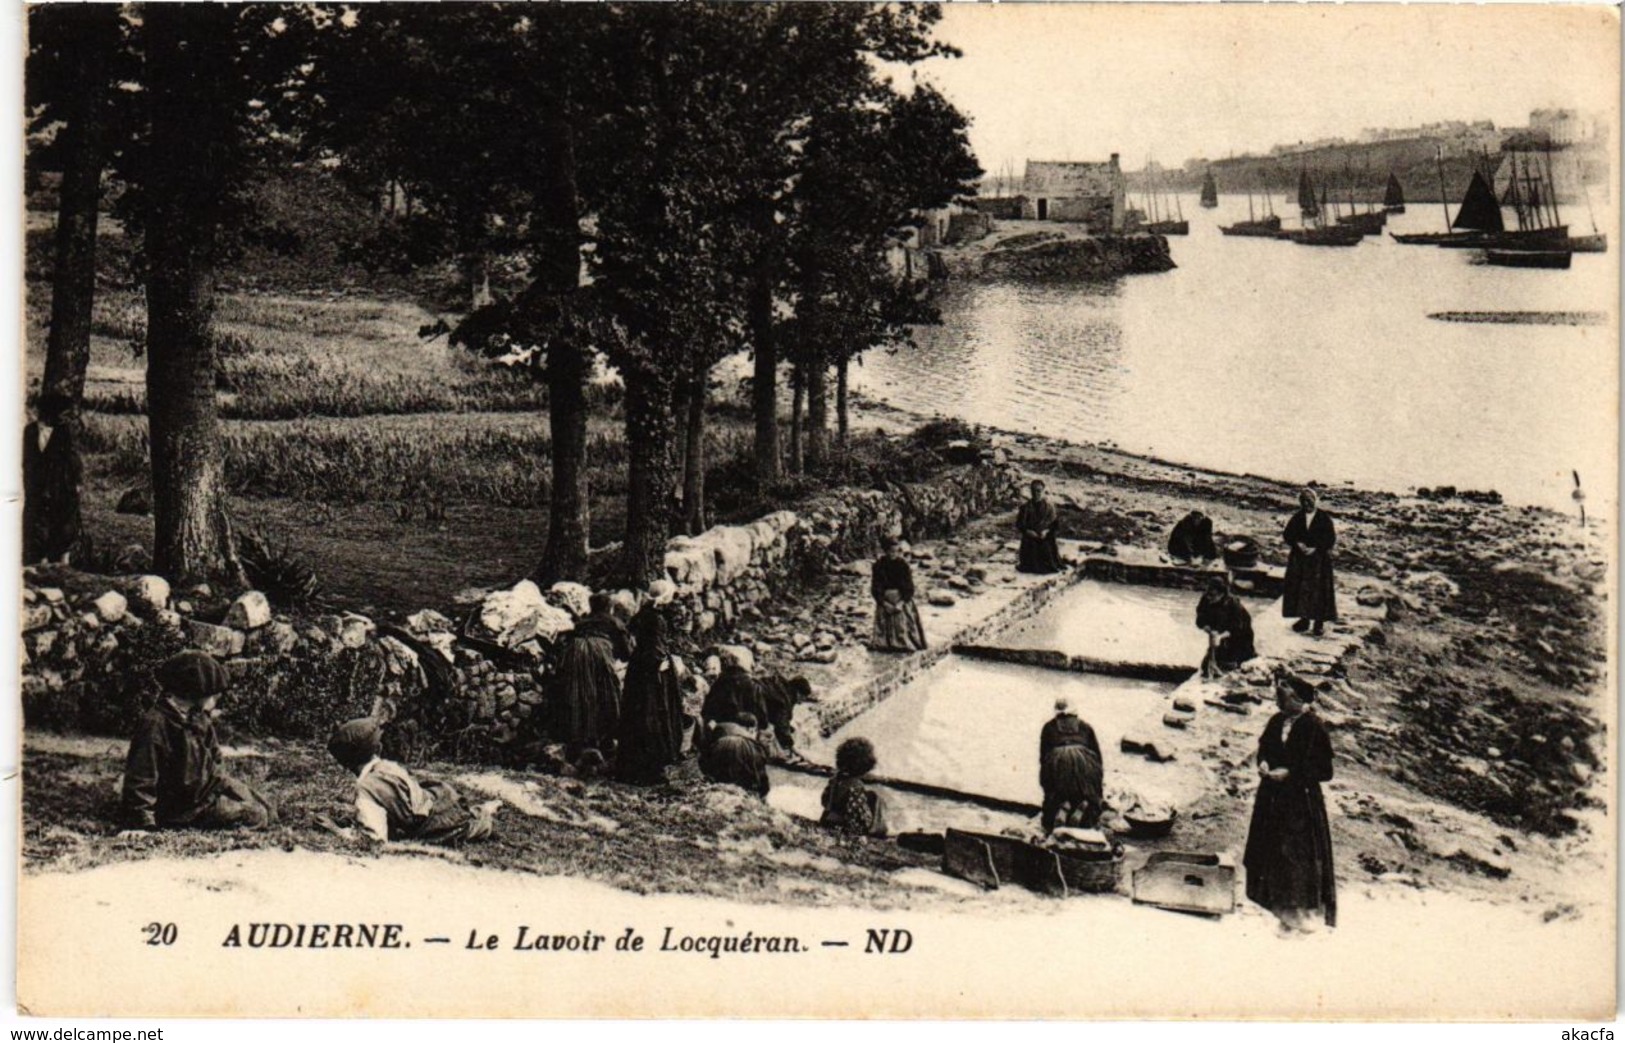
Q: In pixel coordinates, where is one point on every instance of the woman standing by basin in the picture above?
(1289, 843)
(897, 621)
(1311, 589)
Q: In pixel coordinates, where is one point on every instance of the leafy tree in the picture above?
(473, 113)
(68, 87)
(869, 171)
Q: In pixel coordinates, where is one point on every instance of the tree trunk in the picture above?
(568, 362)
(817, 415)
(564, 557)
(797, 396)
(51, 494)
(651, 434)
(842, 416)
(694, 458)
(765, 391)
(188, 70)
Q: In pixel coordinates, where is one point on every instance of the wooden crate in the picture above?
(1187, 882)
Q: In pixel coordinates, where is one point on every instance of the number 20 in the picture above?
(160, 933)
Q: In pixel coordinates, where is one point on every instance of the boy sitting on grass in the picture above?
(392, 805)
(172, 777)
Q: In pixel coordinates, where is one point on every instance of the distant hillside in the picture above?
(1368, 166)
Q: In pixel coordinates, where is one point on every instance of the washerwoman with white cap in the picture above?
(1070, 770)
(651, 736)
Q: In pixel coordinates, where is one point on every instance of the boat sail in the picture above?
(1393, 200)
(1306, 196)
(1210, 191)
(1479, 210)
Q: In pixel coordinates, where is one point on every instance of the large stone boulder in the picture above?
(516, 615)
(691, 563)
(220, 642)
(150, 592)
(250, 611)
(733, 548)
(574, 598)
(111, 606)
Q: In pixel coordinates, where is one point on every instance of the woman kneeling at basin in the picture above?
(897, 621)
(1289, 844)
(850, 806)
(1069, 769)
(1229, 628)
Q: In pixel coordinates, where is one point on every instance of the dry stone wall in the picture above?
(472, 683)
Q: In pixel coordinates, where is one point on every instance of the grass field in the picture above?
(401, 468)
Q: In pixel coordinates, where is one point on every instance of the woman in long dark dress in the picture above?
(1289, 843)
(1311, 589)
(589, 690)
(1229, 626)
(651, 735)
(1037, 522)
(1070, 771)
(897, 621)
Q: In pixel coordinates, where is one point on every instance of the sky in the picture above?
(1177, 81)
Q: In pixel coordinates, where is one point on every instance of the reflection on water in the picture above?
(1292, 361)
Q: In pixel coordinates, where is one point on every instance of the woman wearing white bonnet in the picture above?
(651, 737)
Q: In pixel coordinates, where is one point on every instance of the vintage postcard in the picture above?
(819, 510)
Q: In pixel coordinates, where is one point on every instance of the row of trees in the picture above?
(686, 182)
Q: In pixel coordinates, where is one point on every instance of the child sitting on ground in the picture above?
(392, 805)
(850, 806)
(172, 776)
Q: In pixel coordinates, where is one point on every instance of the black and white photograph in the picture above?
(817, 510)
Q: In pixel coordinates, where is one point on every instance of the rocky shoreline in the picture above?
(1474, 720)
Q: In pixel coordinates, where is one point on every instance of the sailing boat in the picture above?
(1267, 226)
(1163, 221)
(1210, 191)
(1596, 242)
(1319, 233)
(1370, 222)
(1539, 224)
(1541, 240)
(1393, 200)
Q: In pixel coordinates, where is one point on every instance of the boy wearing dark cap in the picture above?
(392, 805)
(172, 777)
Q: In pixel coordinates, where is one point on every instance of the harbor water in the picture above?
(1294, 362)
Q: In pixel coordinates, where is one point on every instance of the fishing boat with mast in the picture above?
(1163, 220)
(1316, 231)
(1541, 240)
(1540, 226)
(1368, 221)
(1210, 191)
(1265, 226)
(1596, 242)
(1485, 214)
(1393, 198)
